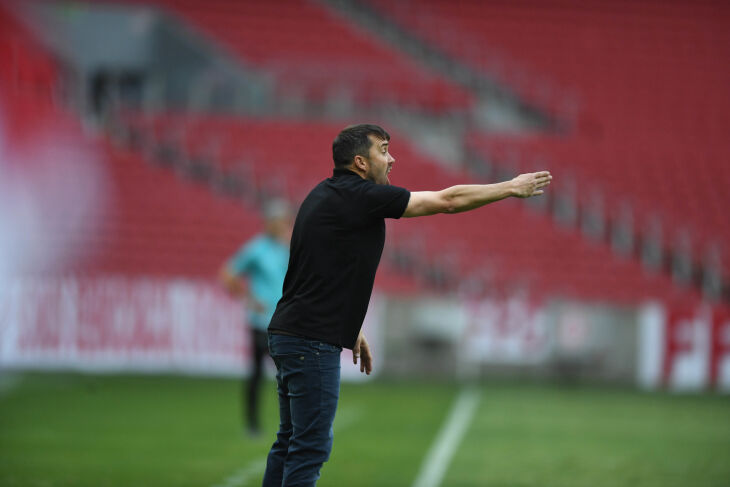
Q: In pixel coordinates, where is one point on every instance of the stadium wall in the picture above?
(162, 325)
(131, 324)
(684, 347)
(655, 345)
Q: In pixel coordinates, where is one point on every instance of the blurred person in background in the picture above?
(262, 261)
(338, 238)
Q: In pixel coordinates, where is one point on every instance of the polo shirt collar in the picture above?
(343, 172)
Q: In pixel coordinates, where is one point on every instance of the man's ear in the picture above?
(361, 163)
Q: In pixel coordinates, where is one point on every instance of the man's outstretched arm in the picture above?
(467, 197)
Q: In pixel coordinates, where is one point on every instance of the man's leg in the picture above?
(309, 379)
(260, 347)
(313, 395)
(274, 473)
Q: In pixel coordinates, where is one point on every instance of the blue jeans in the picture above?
(308, 380)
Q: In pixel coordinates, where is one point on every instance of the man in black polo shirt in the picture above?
(336, 245)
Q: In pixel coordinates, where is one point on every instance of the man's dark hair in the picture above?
(354, 141)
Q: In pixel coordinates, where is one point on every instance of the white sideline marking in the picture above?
(243, 474)
(345, 419)
(439, 456)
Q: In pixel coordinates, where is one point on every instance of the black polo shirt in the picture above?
(336, 245)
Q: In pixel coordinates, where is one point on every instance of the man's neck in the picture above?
(356, 170)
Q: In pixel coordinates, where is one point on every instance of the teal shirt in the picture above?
(263, 260)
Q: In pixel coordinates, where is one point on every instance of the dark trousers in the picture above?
(260, 348)
(308, 382)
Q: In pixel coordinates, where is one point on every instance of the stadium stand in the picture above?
(169, 226)
(529, 251)
(153, 222)
(162, 224)
(28, 76)
(648, 83)
(341, 58)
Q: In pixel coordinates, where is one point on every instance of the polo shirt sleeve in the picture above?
(386, 201)
(243, 261)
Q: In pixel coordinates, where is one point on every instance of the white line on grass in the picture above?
(439, 456)
(243, 474)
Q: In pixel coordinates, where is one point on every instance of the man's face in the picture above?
(380, 162)
(280, 227)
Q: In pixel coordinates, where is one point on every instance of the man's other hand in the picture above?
(361, 350)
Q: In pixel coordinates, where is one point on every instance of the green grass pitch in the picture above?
(84, 430)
